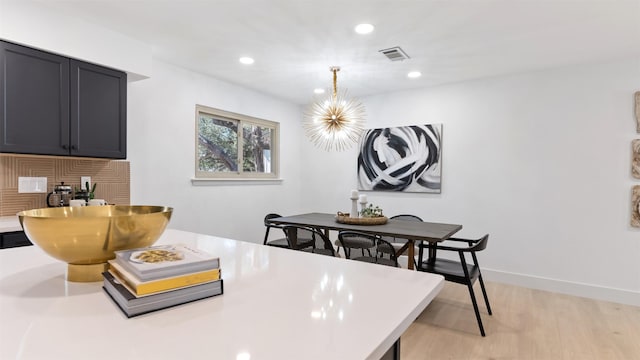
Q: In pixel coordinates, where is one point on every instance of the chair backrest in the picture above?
(473, 247)
(480, 245)
(407, 217)
(403, 217)
(384, 249)
(296, 234)
(268, 217)
(372, 247)
(356, 241)
(269, 225)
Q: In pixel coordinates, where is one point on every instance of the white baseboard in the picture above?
(620, 296)
(564, 287)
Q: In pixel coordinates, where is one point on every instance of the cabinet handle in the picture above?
(73, 147)
(65, 147)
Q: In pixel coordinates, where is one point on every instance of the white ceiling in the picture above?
(295, 41)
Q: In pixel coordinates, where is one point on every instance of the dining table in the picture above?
(412, 231)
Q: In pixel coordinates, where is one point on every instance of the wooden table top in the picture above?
(414, 230)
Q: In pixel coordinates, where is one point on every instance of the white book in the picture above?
(157, 262)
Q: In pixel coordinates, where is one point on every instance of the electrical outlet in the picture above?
(32, 184)
(83, 182)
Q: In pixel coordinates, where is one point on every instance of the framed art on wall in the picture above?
(635, 158)
(635, 206)
(638, 112)
(403, 159)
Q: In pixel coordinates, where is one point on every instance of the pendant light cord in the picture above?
(335, 70)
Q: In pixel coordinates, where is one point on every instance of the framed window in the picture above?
(230, 145)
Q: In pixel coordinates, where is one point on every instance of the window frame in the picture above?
(242, 120)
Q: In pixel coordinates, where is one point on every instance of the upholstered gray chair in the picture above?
(371, 248)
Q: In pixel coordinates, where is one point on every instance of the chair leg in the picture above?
(484, 293)
(475, 307)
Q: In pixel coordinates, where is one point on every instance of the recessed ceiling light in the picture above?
(318, 91)
(364, 28)
(414, 74)
(246, 60)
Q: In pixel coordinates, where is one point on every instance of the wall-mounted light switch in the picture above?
(83, 182)
(32, 184)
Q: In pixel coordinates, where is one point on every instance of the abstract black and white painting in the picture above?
(405, 158)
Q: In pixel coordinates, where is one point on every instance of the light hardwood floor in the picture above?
(526, 324)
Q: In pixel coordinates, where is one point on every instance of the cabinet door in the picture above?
(98, 111)
(34, 104)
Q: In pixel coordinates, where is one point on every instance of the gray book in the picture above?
(133, 306)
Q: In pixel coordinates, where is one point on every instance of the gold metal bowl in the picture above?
(86, 237)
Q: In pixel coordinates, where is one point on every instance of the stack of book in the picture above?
(158, 277)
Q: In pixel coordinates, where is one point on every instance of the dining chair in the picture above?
(372, 248)
(460, 272)
(308, 239)
(362, 243)
(399, 243)
(280, 242)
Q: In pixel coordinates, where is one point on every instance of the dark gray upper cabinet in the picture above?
(98, 111)
(53, 105)
(35, 101)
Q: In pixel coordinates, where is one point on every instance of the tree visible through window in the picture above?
(231, 145)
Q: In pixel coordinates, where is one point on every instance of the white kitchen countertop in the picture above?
(9, 223)
(277, 304)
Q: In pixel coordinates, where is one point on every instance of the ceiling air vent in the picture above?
(394, 54)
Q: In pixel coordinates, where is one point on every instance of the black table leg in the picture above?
(393, 353)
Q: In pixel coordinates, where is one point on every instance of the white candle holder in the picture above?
(354, 207)
(363, 204)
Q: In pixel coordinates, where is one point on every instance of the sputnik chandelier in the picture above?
(334, 122)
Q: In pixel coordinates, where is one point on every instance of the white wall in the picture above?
(45, 27)
(540, 161)
(161, 148)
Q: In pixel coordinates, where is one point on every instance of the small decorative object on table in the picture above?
(354, 204)
(161, 261)
(371, 212)
(362, 199)
(81, 194)
(86, 237)
(93, 190)
(370, 215)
